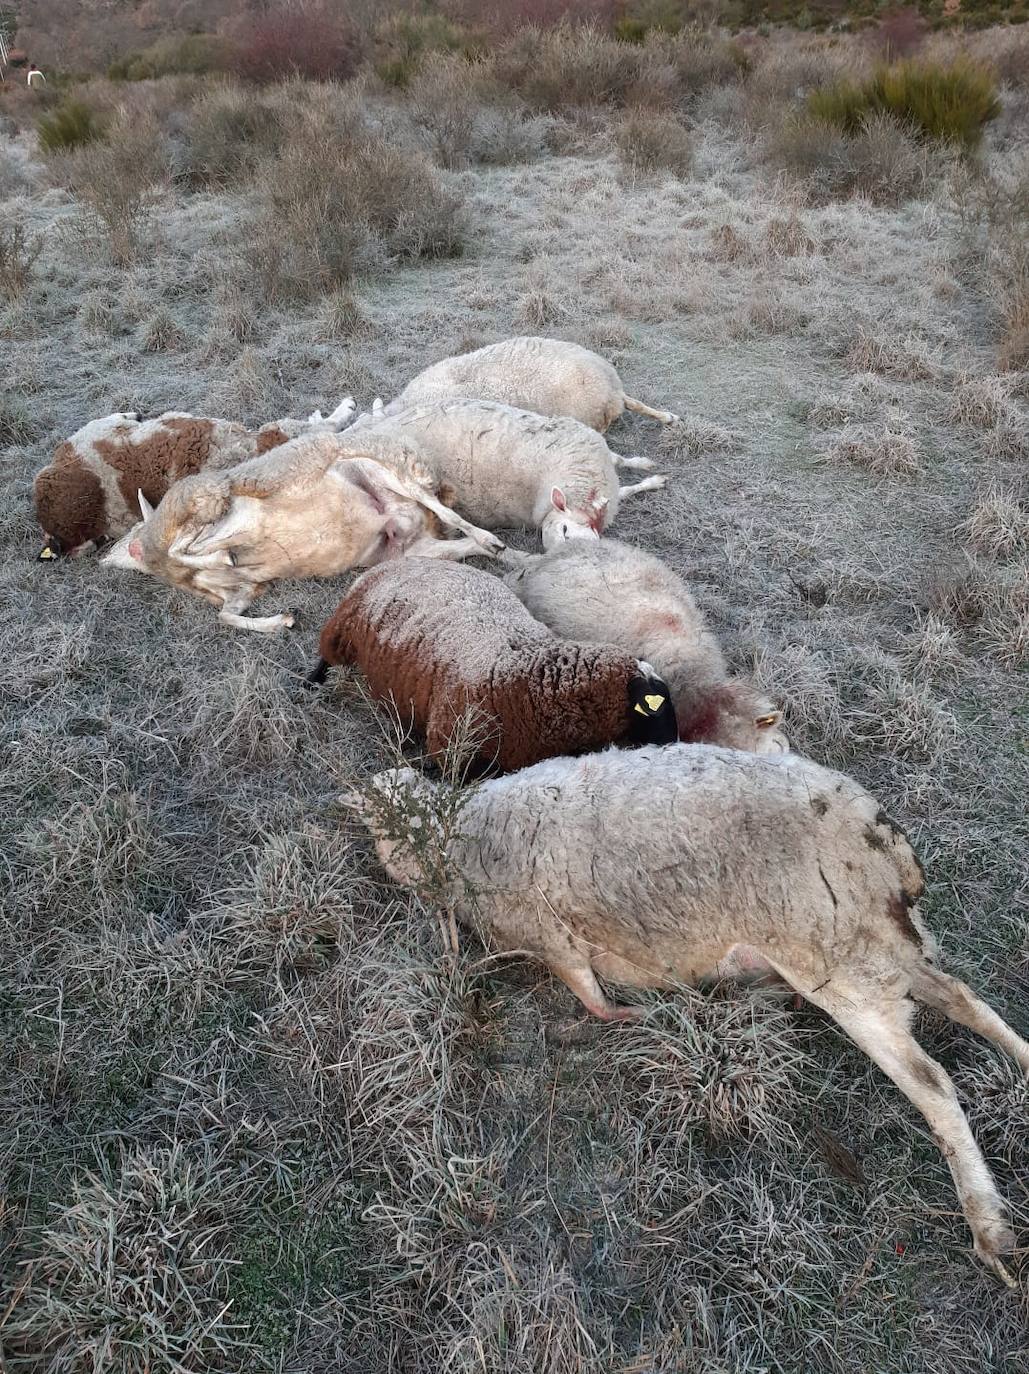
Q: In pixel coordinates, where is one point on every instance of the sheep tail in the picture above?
(665, 416)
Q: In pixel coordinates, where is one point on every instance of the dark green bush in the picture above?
(72, 125)
(952, 103)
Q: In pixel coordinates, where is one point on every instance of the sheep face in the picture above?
(735, 716)
(397, 809)
(562, 523)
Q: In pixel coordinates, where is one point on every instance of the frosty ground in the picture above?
(256, 1115)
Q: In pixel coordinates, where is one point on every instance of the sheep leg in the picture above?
(230, 614)
(883, 1032)
(429, 547)
(665, 416)
(415, 492)
(620, 461)
(581, 980)
(648, 484)
(957, 1000)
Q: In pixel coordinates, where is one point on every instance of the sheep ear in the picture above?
(767, 721)
(557, 499)
(146, 510)
(377, 406)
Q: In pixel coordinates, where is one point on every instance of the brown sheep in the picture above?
(445, 640)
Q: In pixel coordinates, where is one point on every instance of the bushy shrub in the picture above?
(72, 125)
(341, 199)
(18, 253)
(952, 103)
(198, 54)
(568, 66)
(228, 131)
(650, 142)
(899, 34)
(116, 182)
(404, 40)
(310, 43)
(881, 161)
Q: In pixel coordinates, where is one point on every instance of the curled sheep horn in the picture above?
(146, 510)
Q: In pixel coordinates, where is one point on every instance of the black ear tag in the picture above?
(651, 713)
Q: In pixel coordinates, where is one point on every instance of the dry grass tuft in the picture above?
(999, 524)
(131, 1273)
(691, 437)
(787, 238)
(905, 358)
(883, 450)
(649, 142)
(729, 1063)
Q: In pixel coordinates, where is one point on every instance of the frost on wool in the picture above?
(685, 864)
(548, 376)
(585, 589)
(444, 641)
(90, 490)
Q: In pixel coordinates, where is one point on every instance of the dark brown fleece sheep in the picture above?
(443, 639)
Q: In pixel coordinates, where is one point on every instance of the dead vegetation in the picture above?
(259, 1113)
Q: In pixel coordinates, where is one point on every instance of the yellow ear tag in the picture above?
(654, 702)
(47, 553)
(763, 722)
(639, 708)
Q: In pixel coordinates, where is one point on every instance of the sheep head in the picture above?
(562, 523)
(397, 807)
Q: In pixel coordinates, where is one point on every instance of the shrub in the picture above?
(307, 43)
(341, 199)
(899, 34)
(881, 161)
(568, 66)
(116, 183)
(403, 40)
(952, 103)
(228, 132)
(18, 253)
(198, 54)
(649, 142)
(72, 125)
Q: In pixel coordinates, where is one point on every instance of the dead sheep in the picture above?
(311, 507)
(690, 863)
(89, 491)
(507, 467)
(452, 645)
(549, 376)
(610, 590)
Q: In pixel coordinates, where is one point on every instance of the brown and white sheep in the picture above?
(89, 491)
(549, 376)
(690, 863)
(609, 590)
(447, 643)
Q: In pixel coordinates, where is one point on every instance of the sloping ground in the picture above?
(255, 1116)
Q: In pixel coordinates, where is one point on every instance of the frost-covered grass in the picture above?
(257, 1114)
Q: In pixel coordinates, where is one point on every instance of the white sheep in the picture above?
(549, 376)
(686, 863)
(311, 507)
(506, 467)
(608, 590)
